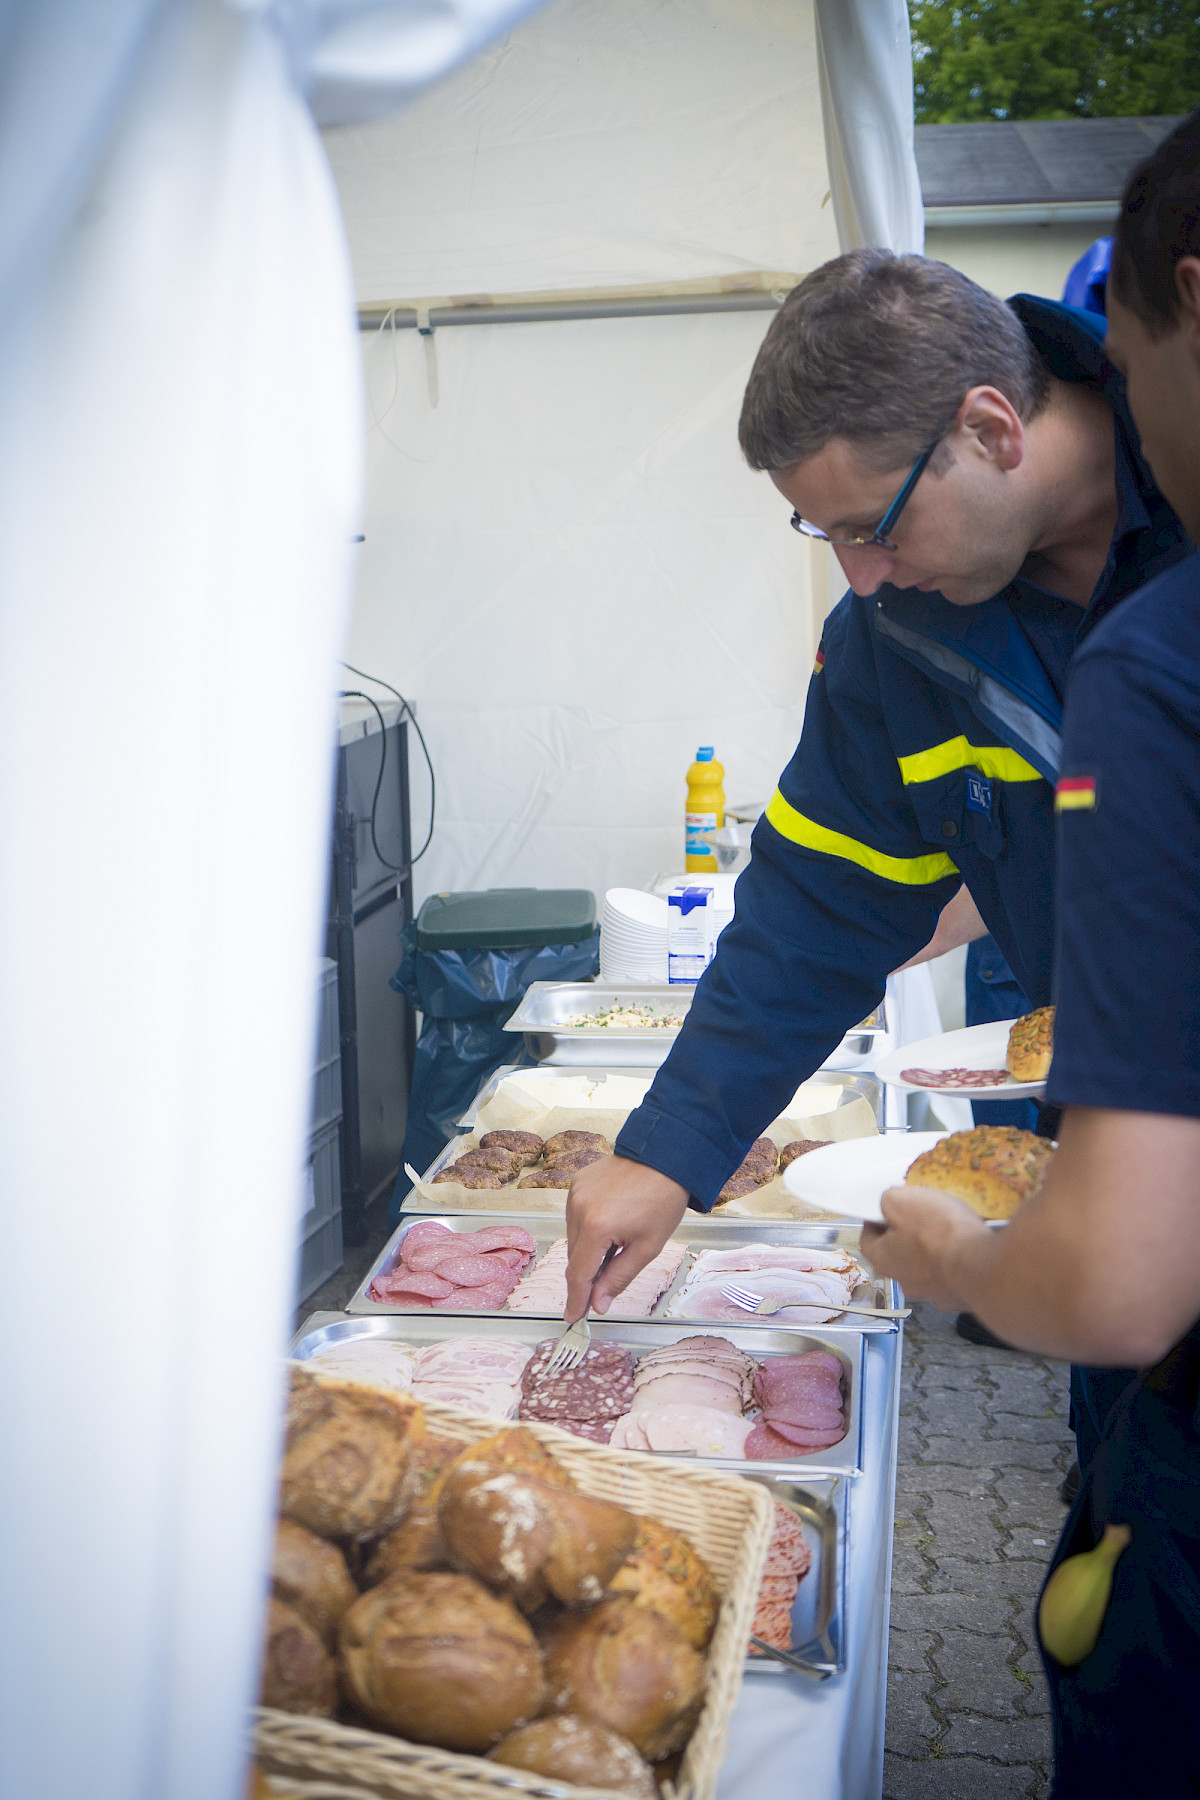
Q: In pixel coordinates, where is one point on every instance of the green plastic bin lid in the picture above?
(503, 918)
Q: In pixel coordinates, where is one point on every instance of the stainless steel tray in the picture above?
(547, 1006)
(844, 1458)
(545, 1228)
(819, 1612)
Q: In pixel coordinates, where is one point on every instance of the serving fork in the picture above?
(751, 1302)
(572, 1345)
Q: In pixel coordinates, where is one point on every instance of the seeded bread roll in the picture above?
(994, 1168)
(311, 1576)
(440, 1660)
(298, 1674)
(628, 1668)
(1031, 1046)
(567, 1748)
(348, 1468)
(663, 1572)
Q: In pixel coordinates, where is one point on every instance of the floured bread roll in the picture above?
(348, 1457)
(994, 1168)
(298, 1674)
(1031, 1046)
(570, 1749)
(311, 1576)
(440, 1660)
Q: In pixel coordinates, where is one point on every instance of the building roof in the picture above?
(1034, 162)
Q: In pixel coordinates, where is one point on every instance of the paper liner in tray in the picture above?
(728, 1520)
(517, 1106)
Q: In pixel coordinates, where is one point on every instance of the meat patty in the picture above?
(574, 1140)
(764, 1147)
(546, 1178)
(798, 1147)
(505, 1162)
(574, 1159)
(469, 1177)
(737, 1186)
(525, 1144)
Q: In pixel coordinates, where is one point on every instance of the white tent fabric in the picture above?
(865, 56)
(567, 563)
(180, 458)
(180, 447)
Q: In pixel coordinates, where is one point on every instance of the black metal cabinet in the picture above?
(369, 904)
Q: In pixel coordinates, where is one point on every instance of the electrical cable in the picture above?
(357, 694)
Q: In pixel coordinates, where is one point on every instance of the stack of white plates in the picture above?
(633, 936)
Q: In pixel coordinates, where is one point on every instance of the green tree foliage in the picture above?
(1054, 59)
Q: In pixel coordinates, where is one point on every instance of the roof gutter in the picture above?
(1039, 212)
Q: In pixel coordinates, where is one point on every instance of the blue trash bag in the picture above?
(465, 997)
(1087, 283)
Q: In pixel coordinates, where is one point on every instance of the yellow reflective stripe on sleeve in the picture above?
(913, 871)
(957, 753)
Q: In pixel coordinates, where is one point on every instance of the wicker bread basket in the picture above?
(729, 1521)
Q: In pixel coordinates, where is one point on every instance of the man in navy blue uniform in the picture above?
(1103, 1266)
(975, 469)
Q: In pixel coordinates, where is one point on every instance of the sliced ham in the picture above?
(774, 1256)
(697, 1428)
(696, 1389)
(498, 1398)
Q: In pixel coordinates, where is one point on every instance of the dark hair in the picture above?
(1159, 223)
(881, 349)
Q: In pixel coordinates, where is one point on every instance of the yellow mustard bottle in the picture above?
(705, 810)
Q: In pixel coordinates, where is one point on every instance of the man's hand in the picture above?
(615, 1202)
(924, 1230)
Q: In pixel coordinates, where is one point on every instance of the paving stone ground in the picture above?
(984, 1443)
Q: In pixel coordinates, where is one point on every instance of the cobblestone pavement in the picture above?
(984, 1443)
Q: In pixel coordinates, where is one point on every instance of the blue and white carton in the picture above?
(690, 931)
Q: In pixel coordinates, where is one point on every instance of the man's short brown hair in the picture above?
(1159, 223)
(881, 350)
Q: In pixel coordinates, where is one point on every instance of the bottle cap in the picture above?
(705, 755)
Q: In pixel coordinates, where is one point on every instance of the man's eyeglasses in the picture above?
(879, 539)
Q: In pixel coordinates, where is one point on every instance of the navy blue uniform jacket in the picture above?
(931, 745)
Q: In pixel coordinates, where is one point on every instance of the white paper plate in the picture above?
(977, 1047)
(849, 1178)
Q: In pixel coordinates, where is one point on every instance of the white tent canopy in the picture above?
(567, 563)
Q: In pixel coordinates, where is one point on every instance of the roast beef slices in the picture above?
(455, 1271)
(587, 1400)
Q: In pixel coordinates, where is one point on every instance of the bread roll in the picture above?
(567, 1748)
(1031, 1046)
(527, 1538)
(994, 1168)
(441, 1661)
(664, 1573)
(311, 1576)
(416, 1543)
(298, 1674)
(628, 1668)
(348, 1457)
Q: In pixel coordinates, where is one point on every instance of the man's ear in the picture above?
(1187, 287)
(990, 417)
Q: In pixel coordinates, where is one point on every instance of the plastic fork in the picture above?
(572, 1346)
(751, 1302)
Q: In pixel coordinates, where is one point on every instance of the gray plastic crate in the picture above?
(322, 1178)
(325, 1104)
(320, 1256)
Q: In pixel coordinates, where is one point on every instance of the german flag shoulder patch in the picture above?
(819, 661)
(1075, 793)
